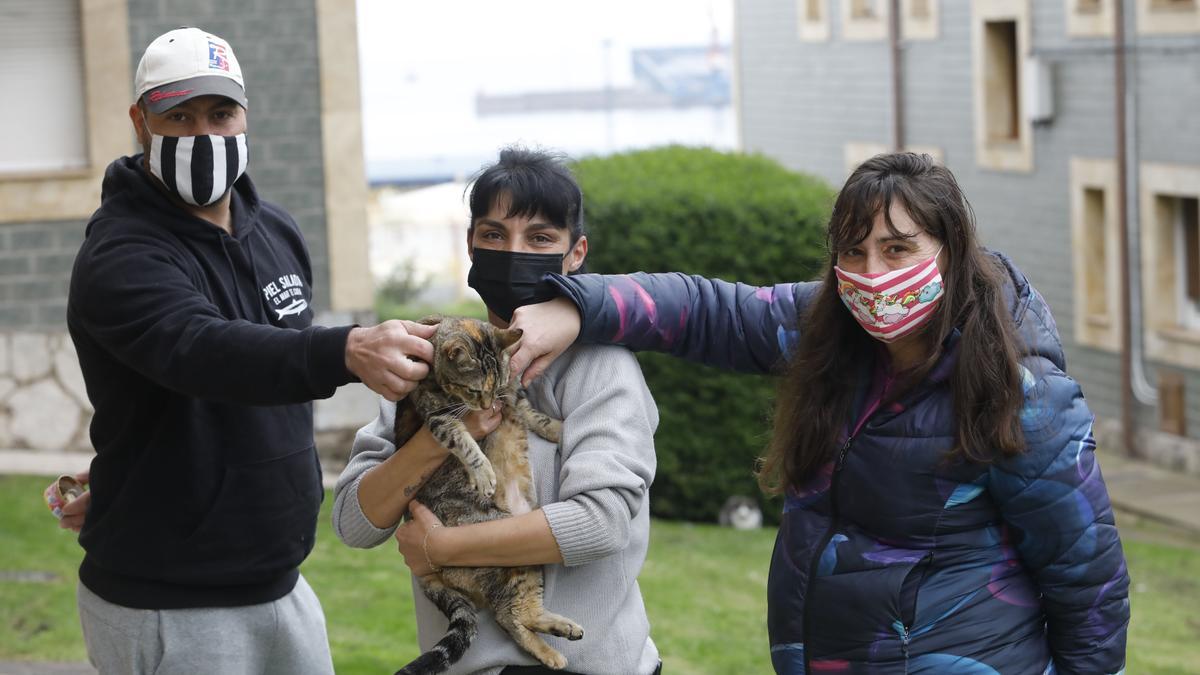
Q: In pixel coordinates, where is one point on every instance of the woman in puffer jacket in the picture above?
(944, 511)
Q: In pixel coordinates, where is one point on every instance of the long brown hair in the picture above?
(816, 392)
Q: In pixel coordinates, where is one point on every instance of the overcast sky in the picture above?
(422, 63)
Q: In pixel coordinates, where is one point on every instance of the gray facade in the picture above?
(276, 43)
(801, 102)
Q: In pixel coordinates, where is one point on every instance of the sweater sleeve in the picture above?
(373, 444)
(727, 325)
(1053, 500)
(608, 461)
(139, 304)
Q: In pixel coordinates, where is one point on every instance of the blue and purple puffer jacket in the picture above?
(891, 559)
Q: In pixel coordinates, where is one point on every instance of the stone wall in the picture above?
(43, 402)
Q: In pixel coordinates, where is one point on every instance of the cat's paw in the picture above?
(553, 660)
(565, 628)
(483, 479)
(550, 429)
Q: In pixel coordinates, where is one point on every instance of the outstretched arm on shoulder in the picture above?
(727, 325)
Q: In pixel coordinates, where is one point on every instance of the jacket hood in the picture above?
(128, 188)
(1034, 324)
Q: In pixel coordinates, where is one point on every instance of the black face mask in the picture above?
(507, 280)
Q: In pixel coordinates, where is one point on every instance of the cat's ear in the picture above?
(456, 352)
(507, 337)
(431, 320)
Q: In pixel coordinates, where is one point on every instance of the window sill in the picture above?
(1180, 335)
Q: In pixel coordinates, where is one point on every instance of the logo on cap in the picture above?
(216, 57)
(160, 95)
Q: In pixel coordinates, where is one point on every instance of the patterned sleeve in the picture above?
(727, 325)
(1054, 502)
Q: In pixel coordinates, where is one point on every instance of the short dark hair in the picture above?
(535, 183)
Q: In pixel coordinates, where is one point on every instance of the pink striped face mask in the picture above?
(892, 304)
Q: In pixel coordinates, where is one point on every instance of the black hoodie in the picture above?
(201, 362)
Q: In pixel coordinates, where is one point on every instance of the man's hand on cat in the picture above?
(549, 328)
(417, 539)
(75, 510)
(390, 358)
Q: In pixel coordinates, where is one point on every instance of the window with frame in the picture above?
(1003, 107)
(814, 20)
(72, 58)
(1000, 44)
(1094, 243)
(1170, 246)
(865, 19)
(1095, 306)
(1168, 16)
(1187, 259)
(864, 9)
(1089, 18)
(41, 52)
(919, 19)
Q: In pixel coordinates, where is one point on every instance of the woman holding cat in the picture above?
(944, 511)
(592, 528)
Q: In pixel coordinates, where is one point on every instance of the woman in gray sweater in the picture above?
(593, 527)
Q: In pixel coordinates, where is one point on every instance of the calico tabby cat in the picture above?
(470, 372)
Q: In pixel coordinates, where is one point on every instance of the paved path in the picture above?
(45, 668)
(1153, 493)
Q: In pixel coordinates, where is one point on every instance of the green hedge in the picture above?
(732, 216)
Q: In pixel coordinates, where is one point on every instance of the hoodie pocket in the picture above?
(262, 523)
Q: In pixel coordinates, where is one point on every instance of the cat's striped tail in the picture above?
(463, 626)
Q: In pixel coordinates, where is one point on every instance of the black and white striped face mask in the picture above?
(198, 169)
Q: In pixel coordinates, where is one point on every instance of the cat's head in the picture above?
(471, 360)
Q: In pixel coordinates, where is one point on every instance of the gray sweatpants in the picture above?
(286, 636)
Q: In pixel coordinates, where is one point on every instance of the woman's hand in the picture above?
(480, 423)
(417, 538)
(548, 329)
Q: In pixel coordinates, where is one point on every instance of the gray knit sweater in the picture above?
(594, 490)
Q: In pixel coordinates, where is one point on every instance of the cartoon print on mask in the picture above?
(890, 311)
(931, 291)
(861, 304)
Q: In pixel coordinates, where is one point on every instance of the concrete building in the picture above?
(1018, 98)
(66, 72)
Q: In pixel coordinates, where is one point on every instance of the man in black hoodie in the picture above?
(190, 311)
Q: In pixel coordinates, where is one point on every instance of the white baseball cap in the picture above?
(185, 63)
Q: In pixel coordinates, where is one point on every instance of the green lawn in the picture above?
(704, 587)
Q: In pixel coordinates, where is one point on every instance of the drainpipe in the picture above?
(1127, 404)
(897, 78)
